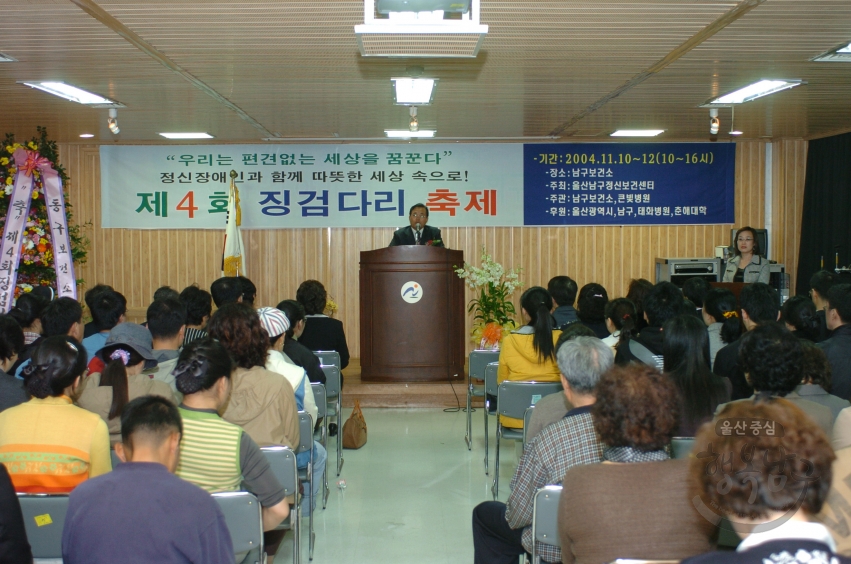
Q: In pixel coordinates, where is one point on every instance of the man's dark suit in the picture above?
(405, 236)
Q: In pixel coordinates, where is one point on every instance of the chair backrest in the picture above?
(681, 446)
(305, 432)
(284, 466)
(491, 370)
(514, 397)
(244, 520)
(329, 358)
(479, 359)
(545, 515)
(332, 380)
(527, 417)
(320, 398)
(44, 519)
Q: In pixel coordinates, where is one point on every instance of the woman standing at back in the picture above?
(528, 353)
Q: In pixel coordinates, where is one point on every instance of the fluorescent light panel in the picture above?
(637, 132)
(413, 91)
(178, 135)
(846, 49)
(755, 90)
(72, 93)
(4, 58)
(86, 135)
(408, 134)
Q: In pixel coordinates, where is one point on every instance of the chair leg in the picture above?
(485, 410)
(295, 521)
(495, 488)
(469, 436)
(312, 536)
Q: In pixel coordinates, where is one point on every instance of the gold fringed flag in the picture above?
(233, 257)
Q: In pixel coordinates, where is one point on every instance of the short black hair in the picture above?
(198, 302)
(415, 206)
(563, 290)
(226, 290)
(572, 331)
(662, 303)
(60, 315)
(839, 298)
(249, 290)
(107, 307)
(761, 302)
(11, 337)
(166, 317)
(822, 281)
(164, 292)
(154, 416)
(695, 289)
(312, 295)
(28, 308)
(800, 313)
(294, 312)
(773, 358)
(92, 292)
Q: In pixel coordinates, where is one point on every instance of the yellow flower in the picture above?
(32, 145)
(4, 161)
(9, 180)
(35, 195)
(10, 149)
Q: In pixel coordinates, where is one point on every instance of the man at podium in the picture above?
(418, 233)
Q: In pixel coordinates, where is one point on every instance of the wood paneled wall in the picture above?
(137, 262)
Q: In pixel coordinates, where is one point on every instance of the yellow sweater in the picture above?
(50, 445)
(519, 361)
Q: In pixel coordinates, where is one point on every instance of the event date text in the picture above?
(659, 158)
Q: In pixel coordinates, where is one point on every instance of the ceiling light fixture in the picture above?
(73, 94)
(413, 91)
(841, 54)
(754, 91)
(415, 123)
(637, 132)
(4, 58)
(197, 135)
(733, 130)
(714, 122)
(406, 134)
(112, 121)
(87, 135)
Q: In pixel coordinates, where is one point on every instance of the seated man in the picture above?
(838, 346)
(140, 511)
(563, 290)
(662, 303)
(199, 307)
(502, 532)
(109, 308)
(167, 323)
(418, 233)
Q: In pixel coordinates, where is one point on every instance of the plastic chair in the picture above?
(479, 359)
(321, 434)
(512, 400)
(305, 475)
(526, 418)
(681, 446)
(44, 519)
(491, 388)
(285, 468)
(334, 403)
(244, 519)
(545, 519)
(329, 358)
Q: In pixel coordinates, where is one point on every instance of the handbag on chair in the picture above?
(354, 429)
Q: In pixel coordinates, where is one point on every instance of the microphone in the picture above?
(417, 229)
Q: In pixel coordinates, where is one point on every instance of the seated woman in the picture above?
(637, 291)
(591, 309)
(297, 353)
(48, 444)
(721, 319)
(12, 390)
(637, 502)
(747, 265)
(27, 312)
(620, 318)
(528, 353)
(799, 315)
(126, 353)
(771, 506)
(321, 333)
(686, 353)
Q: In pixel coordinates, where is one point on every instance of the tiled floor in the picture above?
(409, 491)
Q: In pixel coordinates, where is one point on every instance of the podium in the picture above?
(411, 314)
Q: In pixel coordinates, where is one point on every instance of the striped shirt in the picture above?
(209, 452)
(190, 334)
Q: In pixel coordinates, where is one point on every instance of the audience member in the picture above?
(695, 290)
(320, 333)
(836, 508)
(48, 444)
(591, 308)
(686, 352)
(12, 391)
(165, 293)
(199, 307)
(760, 304)
(721, 319)
(747, 265)
(109, 308)
(502, 531)
(621, 507)
(140, 511)
(620, 322)
(770, 505)
(293, 349)
(563, 291)
(205, 378)
(838, 346)
(226, 290)
(61, 317)
(528, 353)
(125, 355)
(89, 297)
(772, 359)
(662, 303)
(799, 315)
(27, 312)
(815, 385)
(637, 291)
(14, 548)
(249, 290)
(167, 324)
(820, 284)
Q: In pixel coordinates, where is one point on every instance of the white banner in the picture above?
(289, 186)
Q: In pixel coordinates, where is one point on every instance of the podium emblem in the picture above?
(412, 292)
